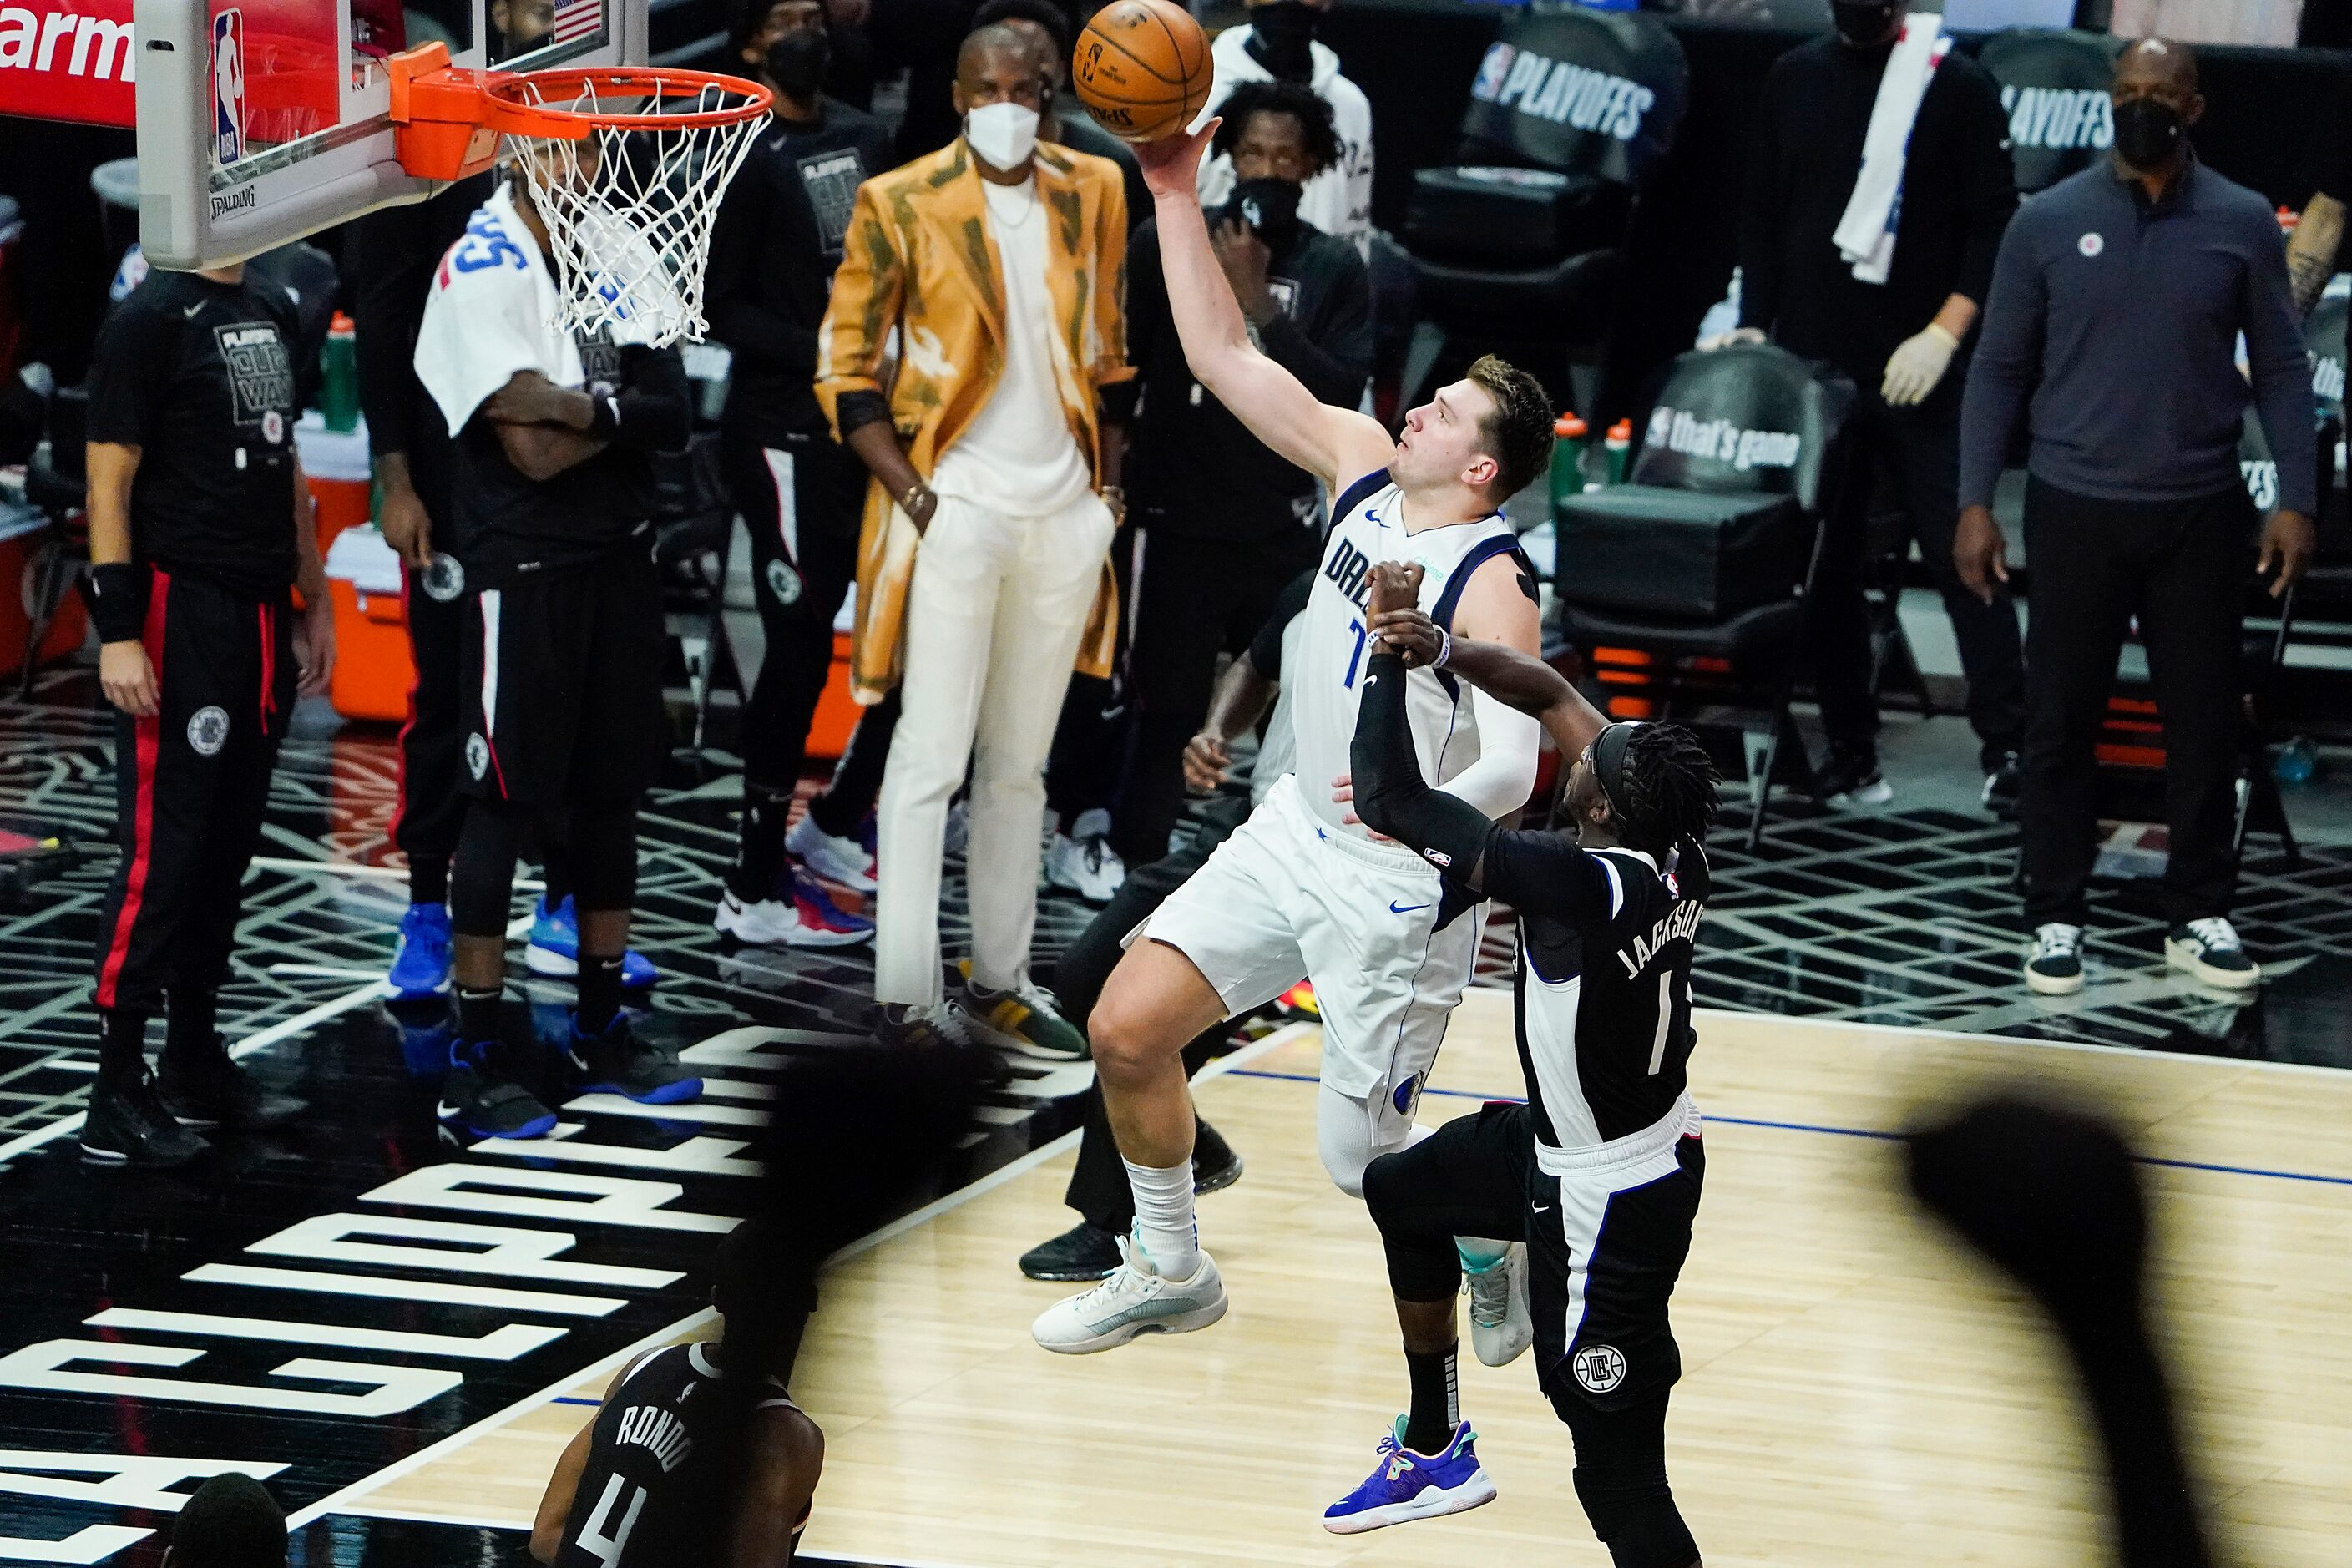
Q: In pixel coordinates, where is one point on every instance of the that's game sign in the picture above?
(68, 59)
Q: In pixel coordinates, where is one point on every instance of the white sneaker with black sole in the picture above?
(2209, 950)
(2055, 967)
(1136, 1299)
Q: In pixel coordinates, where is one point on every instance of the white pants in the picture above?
(994, 619)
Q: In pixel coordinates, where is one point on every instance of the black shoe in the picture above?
(1851, 780)
(617, 1062)
(129, 1125)
(478, 1095)
(215, 1092)
(2000, 785)
(1085, 1251)
(1216, 1166)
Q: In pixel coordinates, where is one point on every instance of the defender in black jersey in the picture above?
(199, 525)
(698, 1458)
(1598, 1173)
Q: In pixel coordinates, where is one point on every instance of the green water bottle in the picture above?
(1619, 447)
(338, 375)
(1566, 460)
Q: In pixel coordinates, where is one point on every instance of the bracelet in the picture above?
(115, 593)
(1444, 649)
(915, 492)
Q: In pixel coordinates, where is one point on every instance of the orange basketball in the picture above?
(1141, 67)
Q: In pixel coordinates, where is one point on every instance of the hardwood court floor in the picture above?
(1855, 1391)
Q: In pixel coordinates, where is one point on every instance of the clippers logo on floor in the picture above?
(2058, 117)
(1678, 430)
(261, 375)
(1571, 95)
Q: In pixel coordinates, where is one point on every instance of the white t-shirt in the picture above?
(1018, 455)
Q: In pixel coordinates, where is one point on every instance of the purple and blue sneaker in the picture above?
(1407, 1486)
(420, 969)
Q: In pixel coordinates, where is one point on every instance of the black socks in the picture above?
(477, 1014)
(191, 1028)
(600, 992)
(760, 853)
(121, 1047)
(1436, 1400)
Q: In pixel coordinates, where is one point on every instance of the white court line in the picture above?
(341, 1502)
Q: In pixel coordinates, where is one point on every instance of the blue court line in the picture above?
(1847, 1131)
(573, 1399)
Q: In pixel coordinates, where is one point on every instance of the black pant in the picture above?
(1098, 1185)
(1196, 598)
(191, 785)
(2180, 567)
(848, 800)
(432, 806)
(1919, 447)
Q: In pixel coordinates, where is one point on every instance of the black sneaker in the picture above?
(215, 1092)
(2209, 950)
(1852, 781)
(1216, 1166)
(944, 1026)
(478, 1095)
(1085, 1251)
(2000, 785)
(617, 1062)
(2055, 967)
(129, 1125)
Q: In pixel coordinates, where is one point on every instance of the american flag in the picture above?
(576, 19)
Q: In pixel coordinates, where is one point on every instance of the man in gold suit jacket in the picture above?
(993, 272)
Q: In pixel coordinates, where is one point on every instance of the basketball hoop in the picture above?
(625, 164)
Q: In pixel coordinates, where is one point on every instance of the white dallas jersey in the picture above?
(1329, 674)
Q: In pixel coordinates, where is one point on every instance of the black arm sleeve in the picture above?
(653, 410)
(1544, 872)
(1266, 648)
(131, 370)
(1333, 355)
(1390, 794)
(390, 273)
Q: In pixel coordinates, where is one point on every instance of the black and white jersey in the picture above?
(661, 1466)
(1604, 986)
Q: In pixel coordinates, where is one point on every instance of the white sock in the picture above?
(1478, 1254)
(1164, 1216)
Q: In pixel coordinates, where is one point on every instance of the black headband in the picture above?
(1609, 762)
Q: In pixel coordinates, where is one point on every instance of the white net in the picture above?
(629, 209)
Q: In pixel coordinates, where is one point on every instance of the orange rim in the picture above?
(507, 99)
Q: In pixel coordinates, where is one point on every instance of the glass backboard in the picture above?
(263, 120)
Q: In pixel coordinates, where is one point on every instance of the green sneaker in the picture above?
(1026, 1019)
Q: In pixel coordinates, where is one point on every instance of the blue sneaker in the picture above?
(555, 949)
(1408, 1486)
(420, 969)
(424, 1049)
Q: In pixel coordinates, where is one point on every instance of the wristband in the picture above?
(1444, 649)
(116, 595)
(915, 492)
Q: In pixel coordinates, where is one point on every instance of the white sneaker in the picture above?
(799, 921)
(1501, 1326)
(1134, 1300)
(1082, 861)
(841, 861)
(2209, 950)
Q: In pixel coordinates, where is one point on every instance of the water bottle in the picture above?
(1619, 446)
(2297, 761)
(338, 375)
(1566, 460)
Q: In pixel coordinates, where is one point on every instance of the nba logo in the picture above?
(228, 86)
(1492, 70)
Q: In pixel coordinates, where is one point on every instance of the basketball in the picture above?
(1141, 67)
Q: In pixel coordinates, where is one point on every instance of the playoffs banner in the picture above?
(1596, 92)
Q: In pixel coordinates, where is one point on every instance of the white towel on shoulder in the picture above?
(1865, 235)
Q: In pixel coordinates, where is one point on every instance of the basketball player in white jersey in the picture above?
(1303, 888)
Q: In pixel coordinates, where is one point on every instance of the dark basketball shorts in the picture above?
(563, 682)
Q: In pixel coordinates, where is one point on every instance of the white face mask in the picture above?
(1003, 134)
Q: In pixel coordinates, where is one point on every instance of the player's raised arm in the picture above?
(1514, 678)
(1336, 444)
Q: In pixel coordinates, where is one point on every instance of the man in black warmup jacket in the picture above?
(1901, 339)
(800, 493)
(199, 523)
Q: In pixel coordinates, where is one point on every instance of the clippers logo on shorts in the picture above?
(1571, 95)
(1597, 1368)
(831, 180)
(261, 375)
(2060, 118)
(444, 578)
(208, 730)
(228, 86)
(783, 583)
(477, 755)
(1679, 430)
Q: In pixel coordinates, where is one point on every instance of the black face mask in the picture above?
(2146, 131)
(1862, 25)
(1269, 206)
(1282, 36)
(797, 62)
